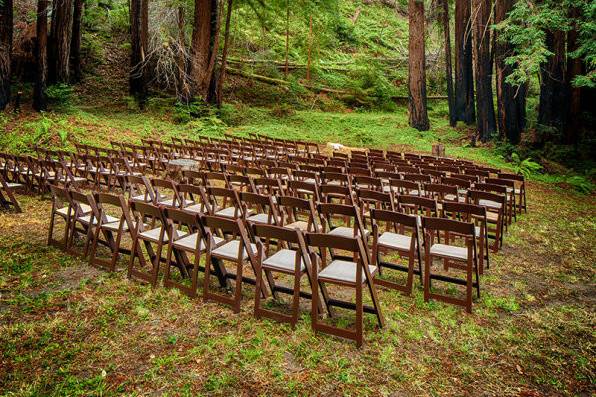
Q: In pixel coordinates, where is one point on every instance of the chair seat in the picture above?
(86, 219)
(346, 232)
(343, 271)
(141, 197)
(190, 242)
(230, 249)
(489, 203)
(12, 185)
(449, 251)
(196, 208)
(300, 225)
(64, 211)
(395, 241)
(259, 218)
(115, 225)
(229, 212)
(284, 260)
(492, 217)
(153, 235)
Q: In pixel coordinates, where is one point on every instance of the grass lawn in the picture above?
(69, 329)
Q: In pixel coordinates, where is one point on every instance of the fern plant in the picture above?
(526, 167)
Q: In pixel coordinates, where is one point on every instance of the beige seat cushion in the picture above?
(346, 232)
(395, 241)
(283, 260)
(230, 249)
(449, 251)
(190, 242)
(343, 271)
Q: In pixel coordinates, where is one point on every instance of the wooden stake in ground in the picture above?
(417, 74)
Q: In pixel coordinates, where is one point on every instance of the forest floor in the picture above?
(69, 329)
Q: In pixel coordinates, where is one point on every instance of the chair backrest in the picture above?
(417, 205)
(293, 207)
(448, 225)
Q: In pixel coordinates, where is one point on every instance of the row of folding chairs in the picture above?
(329, 253)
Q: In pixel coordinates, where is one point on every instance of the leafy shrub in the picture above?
(185, 112)
(525, 167)
(59, 97)
(580, 184)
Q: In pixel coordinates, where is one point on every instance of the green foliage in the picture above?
(60, 97)
(580, 184)
(526, 167)
(185, 112)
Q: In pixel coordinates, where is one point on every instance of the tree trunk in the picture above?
(511, 100)
(182, 86)
(203, 46)
(224, 55)
(60, 41)
(6, 33)
(574, 68)
(553, 88)
(417, 73)
(138, 41)
(464, 75)
(485, 111)
(41, 54)
(448, 67)
(75, 45)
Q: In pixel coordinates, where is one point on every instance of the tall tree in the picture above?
(448, 67)
(553, 87)
(511, 100)
(203, 46)
(224, 55)
(182, 86)
(574, 68)
(60, 39)
(6, 32)
(416, 67)
(138, 40)
(464, 75)
(75, 45)
(485, 111)
(41, 55)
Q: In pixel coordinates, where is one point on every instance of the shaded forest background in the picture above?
(518, 75)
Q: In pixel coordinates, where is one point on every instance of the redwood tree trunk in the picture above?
(138, 41)
(203, 46)
(553, 88)
(75, 45)
(574, 68)
(416, 63)
(464, 75)
(485, 111)
(6, 32)
(60, 41)
(183, 88)
(224, 55)
(448, 67)
(511, 101)
(41, 54)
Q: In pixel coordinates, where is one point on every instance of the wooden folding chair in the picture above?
(153, 233)
(223, 202)
(85, 220)
(258, 208)
(290, 257)
(395, 240)
(235, 247)
(355, 272)
(108, 225)
(7, 198)
(519, 190)
(139, 189)
(475, 214)
(298, 213)
(464, 258)
(495, 214)
(62, 208)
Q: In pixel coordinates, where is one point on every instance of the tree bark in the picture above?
(417, 74)
(138, 40)
(203, 46)
(511, 100)
(41, 54)
(75, 45)
(485, 111)
(574, 68)
(6, 33)
(182, 87)
(224, 55)
(448, 67)
(464, 75)
(60, 41)
(553, 88)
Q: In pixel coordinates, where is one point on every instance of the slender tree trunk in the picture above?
(202, 46)
(286, 69)
(6, 33)
(511, 101)
(75, 45)
(224, 55)
(61, 38)
(485, 111)
(553, 88)
(464, 75)
(448, 67)
(309, 49)
(213, 72)
(574, 68)
(417, 73)
(41, 54)
(182, 87)
(138, 40)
